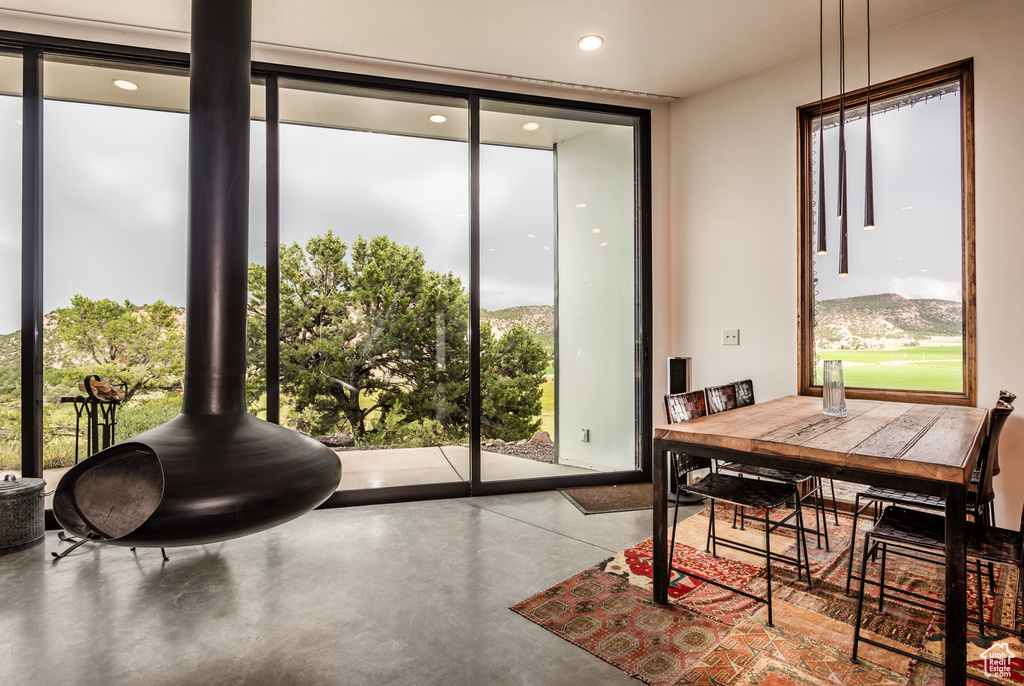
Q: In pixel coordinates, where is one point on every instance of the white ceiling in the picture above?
(665, 47)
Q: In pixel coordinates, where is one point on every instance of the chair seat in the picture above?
(745, 492)
(765, 472)
(918, 529)
(892, 495)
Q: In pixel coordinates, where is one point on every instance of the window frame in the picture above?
(963, 73)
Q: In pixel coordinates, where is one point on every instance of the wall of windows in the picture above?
(435, 300)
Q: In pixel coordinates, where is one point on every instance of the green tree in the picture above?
(511, 376)
(140, 346)
(373, 333)
(365, 334)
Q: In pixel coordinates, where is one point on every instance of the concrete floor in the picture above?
(411, 594)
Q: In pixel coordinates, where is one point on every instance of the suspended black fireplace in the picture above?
(214, 472)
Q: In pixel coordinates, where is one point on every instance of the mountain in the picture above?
(539, 320)
(885, 316)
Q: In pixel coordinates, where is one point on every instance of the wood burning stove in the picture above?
(214, 472)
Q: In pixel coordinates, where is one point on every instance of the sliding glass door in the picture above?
(374, 260)
(560, 360)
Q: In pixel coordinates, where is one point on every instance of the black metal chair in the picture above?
(921, 536)
(741, 394)
(740, 492)
(979, 506)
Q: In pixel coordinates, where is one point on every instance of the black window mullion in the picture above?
(273, 304)
(32, 264)
(474, 292)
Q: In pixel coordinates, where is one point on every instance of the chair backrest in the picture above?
(721, 398)
(1008, 398)
(682, 407)
(988, 460)
(744, 392)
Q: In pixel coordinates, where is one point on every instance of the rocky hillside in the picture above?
(539, 320)
(868, 320)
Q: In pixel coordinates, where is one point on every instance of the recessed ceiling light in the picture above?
(596, 231)
(581, 205)
(590, 42)
(438, 118)
(530, 235)
(604, 244)
(531, 126)
(126, 85)
(547, 248)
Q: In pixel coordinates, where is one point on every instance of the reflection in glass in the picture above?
(896, 321)
(375, 280)
(557, 292)
(115, 213)
(10, 262)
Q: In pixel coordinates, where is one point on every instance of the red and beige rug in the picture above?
(710, 636)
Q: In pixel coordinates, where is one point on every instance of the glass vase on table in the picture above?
(833, 393)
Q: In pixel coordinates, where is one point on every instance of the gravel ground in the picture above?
(540, 452)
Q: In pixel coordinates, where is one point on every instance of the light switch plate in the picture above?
(730, 336)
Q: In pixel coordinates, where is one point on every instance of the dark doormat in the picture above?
(620, 498)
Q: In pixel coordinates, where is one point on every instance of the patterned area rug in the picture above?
(714, 637)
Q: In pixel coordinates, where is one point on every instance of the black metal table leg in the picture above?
(659, 473)
(956, 587)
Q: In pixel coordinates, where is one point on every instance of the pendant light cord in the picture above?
(869, 182)
(822, 239)
(843, 196)
(868, 2)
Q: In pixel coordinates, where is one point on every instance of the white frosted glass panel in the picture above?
(597, 300)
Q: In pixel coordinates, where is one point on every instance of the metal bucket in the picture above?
(21, 513)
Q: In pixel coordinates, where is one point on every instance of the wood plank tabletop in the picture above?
(935, 442)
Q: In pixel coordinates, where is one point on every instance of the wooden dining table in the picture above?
(929, 449)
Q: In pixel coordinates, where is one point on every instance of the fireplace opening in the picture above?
(116, 495)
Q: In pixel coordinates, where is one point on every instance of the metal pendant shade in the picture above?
(214, 472)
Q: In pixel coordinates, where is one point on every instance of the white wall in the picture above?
(733, 227)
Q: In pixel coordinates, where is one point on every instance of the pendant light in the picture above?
(844, 266)
(822, 245)
(869, 184)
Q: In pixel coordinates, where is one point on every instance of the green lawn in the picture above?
(547, 406)
(920, 368)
